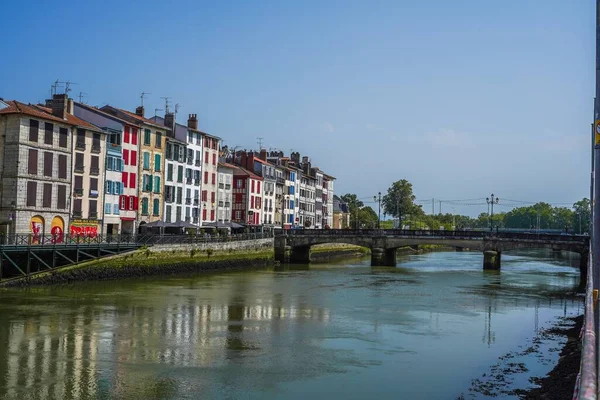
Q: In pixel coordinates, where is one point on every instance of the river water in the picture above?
(424, 329)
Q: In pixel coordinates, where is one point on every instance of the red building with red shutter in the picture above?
(246, 197)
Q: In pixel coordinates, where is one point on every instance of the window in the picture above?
(206, 157)
(157, 163)
(238, 215)
(132, 179)
(251, 201)
(47, 195)
(132, 202)
(258, 187)
(48, 158)
(79, 162)
(179, 195)
(93, 208)
(77, 208)
(34, 126)
(61, 198)
(158, 140)
(214, 159)
(48, 133)
(126, 156)
(170, 172)
(94, 187)
(212, 197)
(134, 135)
(133, 160)
(95, 165)
(80, 142)
(168, 214)
(180, 173)
(252, 187)
(107, 208)
(108, 187)
(147, 143)
(212, 215)
(204, 195)
(125, 178)
(62, 137)
(239, 184)
(214, 178)
(169, 152)
(146, 160)
(155, 207)
(96, 142)
(31, 193)
(144, 206)
(116, 209)
(204, 214)
(126, 135)
(157, 184)
(32, 162)
(110, 163)
(206, 177)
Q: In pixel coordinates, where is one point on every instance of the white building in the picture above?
(224, 193)
(174, 182)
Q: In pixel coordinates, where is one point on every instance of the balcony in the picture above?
(77, 192)
(80, 145)
(280, 181)
(227, 186)
(221, 186)
(93, 193)
(196, 202)
(76, 214)
(93, 215)
(78, 168)
(114, 147)
(188, 200)
(95, 171)
(195, 220)
(188, 219)
(197, 163)
(188, 181)
(96, 149)
(227, 204)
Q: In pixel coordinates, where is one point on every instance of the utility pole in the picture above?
(596, 219)
(491, 202)
(379, 216)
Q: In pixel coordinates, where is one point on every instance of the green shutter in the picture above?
(149, 183)
(146, 160)
(157, 164)
(144, 206)
(157, 184)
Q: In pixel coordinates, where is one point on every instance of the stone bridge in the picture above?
(294, 246)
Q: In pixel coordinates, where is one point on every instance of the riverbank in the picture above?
(146, 262)
(336, 251)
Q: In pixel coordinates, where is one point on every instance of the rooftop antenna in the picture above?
(177, 106)
(166, 103)
(260, 140)
(156, 110)
(81, 96)
(142, 97)
(54, 87)
(67, 84)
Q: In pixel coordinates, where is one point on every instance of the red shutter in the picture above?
(133, 157)
(121, 202)
(205, 176)
(134, 136)
(212, 215)
(214, 159)
(124, 178)
(204, 215)
(135, 203)
(212, 197)
(213, 178)
(126, 156)
(132, 177)
(126, 138)
(258, 187)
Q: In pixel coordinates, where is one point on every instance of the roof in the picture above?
(237, 170)
(103, 113)
(138, 118)
(161, 120)
(16, 107)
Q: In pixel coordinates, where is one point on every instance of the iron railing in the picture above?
(31, 240)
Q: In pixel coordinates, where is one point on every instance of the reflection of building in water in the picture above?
(89, 352)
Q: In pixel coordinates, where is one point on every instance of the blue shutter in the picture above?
(107, 208)
(107, 187)
(116, 209)
(120, 187)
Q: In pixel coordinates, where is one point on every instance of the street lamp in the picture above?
(283, 199)
(491, 202)
(375, 198)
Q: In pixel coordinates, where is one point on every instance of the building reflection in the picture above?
(89, 352)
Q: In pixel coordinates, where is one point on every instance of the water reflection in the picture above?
(261, 334)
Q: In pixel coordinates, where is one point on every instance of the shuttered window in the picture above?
(34, 127)
(146, 160)
(144, 206)
(155, 207)
(157, 184)
(94, 167)
(93, 207)
(32, 162)
(47, 197)
(94, 184)
(78, 182)
(48, 133)
(78, 162)
(77, 207)
(62, 137)
(62, 166)
(31, 193)
(48, 159)
(61, 197)
(157, 163)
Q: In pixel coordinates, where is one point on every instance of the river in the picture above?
(422, 330)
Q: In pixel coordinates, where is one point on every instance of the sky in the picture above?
(462, 98)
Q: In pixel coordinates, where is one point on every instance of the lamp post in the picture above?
(491, 202)
(283, 199)
(375, 198)
(12, 217)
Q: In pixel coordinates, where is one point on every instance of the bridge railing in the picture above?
(437, 233)
(37, 241)
(586, 387)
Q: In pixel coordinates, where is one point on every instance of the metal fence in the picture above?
(30, 240)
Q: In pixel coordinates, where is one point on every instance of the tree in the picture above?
(367, 218)
(581, 216)
(399, 200)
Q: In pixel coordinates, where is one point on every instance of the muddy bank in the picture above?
(109, 271)
(335, 255)
(560, 382)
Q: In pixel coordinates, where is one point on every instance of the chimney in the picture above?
(70, 106)
(244, 159)
(295, 156)
(193, 121)
(59, 105)
(170, 121)
(263, 154)
(139, 111)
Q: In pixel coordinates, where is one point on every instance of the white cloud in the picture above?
(327, 127)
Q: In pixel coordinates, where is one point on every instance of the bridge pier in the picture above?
(282, 250)
(459, 249)
(300, 255)
(491, 260)
(381, 257)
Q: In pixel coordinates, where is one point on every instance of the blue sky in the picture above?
(461, 98)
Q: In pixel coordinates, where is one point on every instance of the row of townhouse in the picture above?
(71, 168)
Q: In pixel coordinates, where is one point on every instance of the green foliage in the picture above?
(193, 252)
(399, 201)
(209, 252)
